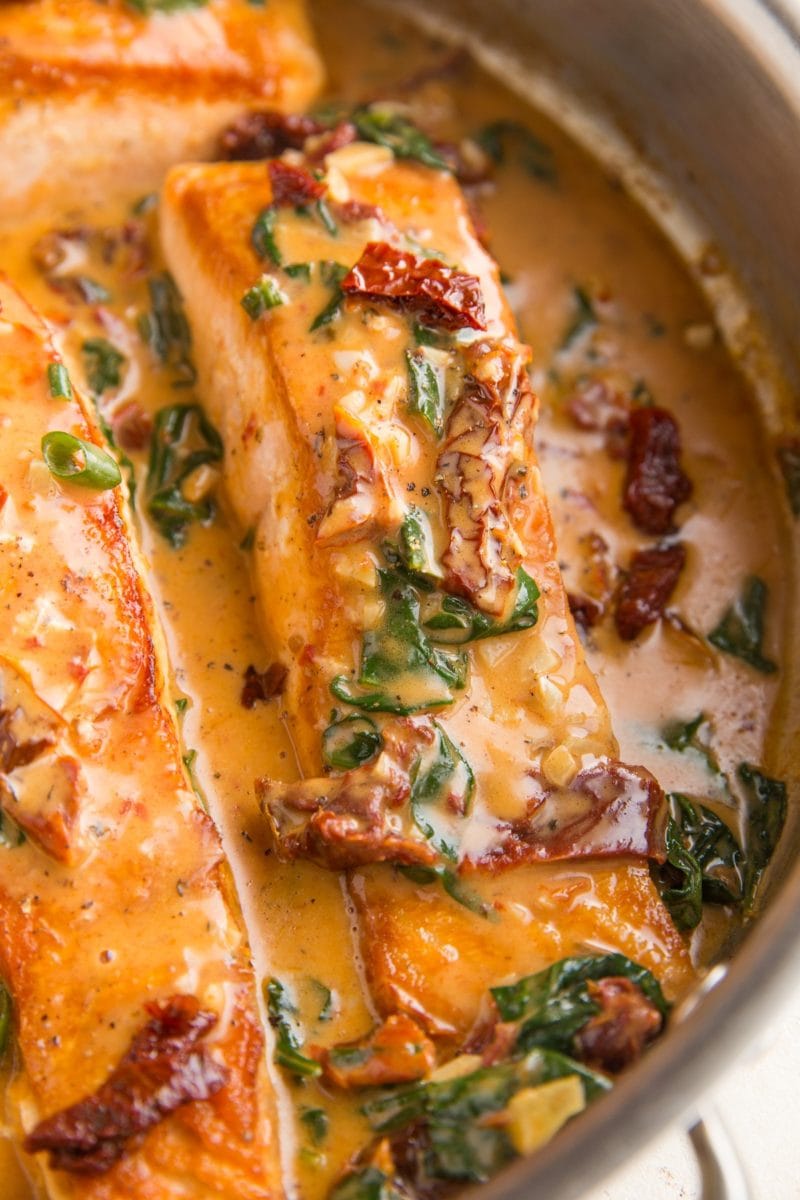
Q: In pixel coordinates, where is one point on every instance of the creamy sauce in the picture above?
(550, 237)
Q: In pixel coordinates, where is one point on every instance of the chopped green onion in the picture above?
(58, 378)
(81, 462)
(261, 297)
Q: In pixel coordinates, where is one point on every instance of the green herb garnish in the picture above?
(11, 835)
(299, 270)
(441, 794)
(324, 214)
(415, 546)
(366, 1183)
(316, 1122)
(59, 381)
(741, 630)
(453, 884)
(102, 363)
(71, 458)
(456, 621)
(261, 297)
(288, 1042)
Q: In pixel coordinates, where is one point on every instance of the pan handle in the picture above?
(721, 1171)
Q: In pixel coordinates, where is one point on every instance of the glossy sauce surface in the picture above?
(550, 236)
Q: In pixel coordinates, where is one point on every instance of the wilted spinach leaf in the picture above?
(553, 1005)
(456, 621)
(367, 1183)
(741, 630)
(387, 127)
(183, 439)
(441, 794)
(165, 329)
(351, 742)
(534, 155)
(766, 813)
(455, 887)
(281, 1013)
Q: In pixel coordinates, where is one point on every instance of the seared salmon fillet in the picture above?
(97, 100)
(139, 1068)
(356, 351)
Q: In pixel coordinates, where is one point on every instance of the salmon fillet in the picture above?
(97, 100)
(362, 365)
(117, 916)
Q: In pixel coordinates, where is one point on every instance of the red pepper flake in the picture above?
(647, 587)
(293, 186)
(441, 295)
(655, 483)
(263, 685)
(256, 135)
(164, 1068)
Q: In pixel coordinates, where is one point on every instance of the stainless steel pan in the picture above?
(707, 91)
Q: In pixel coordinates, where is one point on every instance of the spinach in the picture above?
(713, 847)
(425, 392)
(316, 1122)
(741, 630)
(425, 336)
(328, 223)
(351, 742)
(682, 736)
(789, 463)
(385, 127)
(262, 236)
(534, 155)
(766, 814)
(299, 270)
(5, 1019)
(288, 1041)
(455, 887)
(183, 440)
(404, 670)
(415, 547)
(441, 794)
(122, 457)
(553, 1005)
(102, 363)
(327, 997)
(584, 317)
(680, 881)
(166, 331)
(366, 1183)
(332, 274)
(460, 1143)
(461, 622)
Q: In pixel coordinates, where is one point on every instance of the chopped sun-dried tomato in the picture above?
(647, 587)
(398, 1051)
(655, 483)
(441, 295)
(294, 186)
(616, 1036)
(262, 685)
(256, 135)
(164, 1068)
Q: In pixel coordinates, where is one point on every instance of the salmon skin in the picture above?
(98, 100)
(356, 351)
(115, 901)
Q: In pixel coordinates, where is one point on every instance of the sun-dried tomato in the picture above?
(256, 135)
(439, 294)
(132, 426)
(398, 1051)
(616, 1036)
(585, 611)
(648, 585)
(164, 1068)
(294, 186)
(351, 211)
(621, 813)
(262, 685)
(655, 483)
(330, 140)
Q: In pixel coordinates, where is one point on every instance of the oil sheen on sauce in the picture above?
(572, 230)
